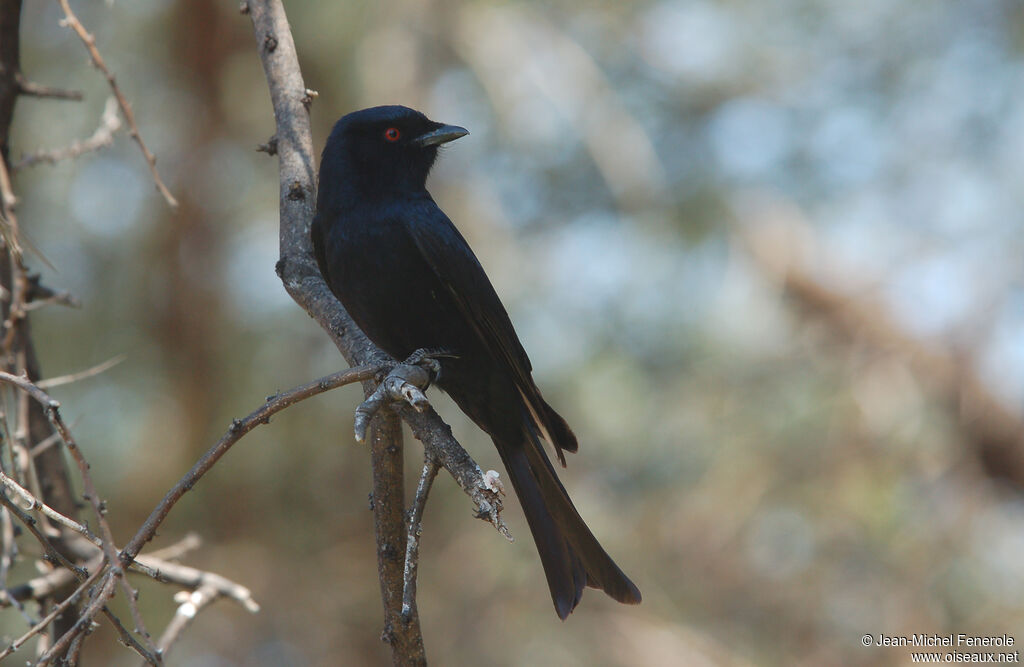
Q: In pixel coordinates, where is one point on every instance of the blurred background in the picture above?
(766, 258)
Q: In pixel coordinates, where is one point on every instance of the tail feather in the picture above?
(564, 438)
(571, 555)
(550, 425)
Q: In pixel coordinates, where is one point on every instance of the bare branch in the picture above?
(128, 640)
(102, 594)
(34, 504)
(31, 89)
(107, 538)
(193, 578)
(90, 44)
(54, 613)
(190, 542)
(41, 587)
(189, 606)
(40, 295)
(103, 136)
(412, 542)
(30, 523)
(49, 383)
(238, 428)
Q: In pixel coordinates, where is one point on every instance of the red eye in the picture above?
(392, 134)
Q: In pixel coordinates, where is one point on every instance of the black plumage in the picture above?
(410, 281)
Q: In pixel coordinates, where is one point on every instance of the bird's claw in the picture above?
(402, 382)
(427, 358)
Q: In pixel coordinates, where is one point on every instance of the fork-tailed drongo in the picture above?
(410, 281)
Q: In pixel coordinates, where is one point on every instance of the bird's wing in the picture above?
(457, 268)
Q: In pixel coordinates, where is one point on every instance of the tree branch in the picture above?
(412, 541)
(301, 277)
(32, 89)
(102, 137)
(238, 428)
(90, 44)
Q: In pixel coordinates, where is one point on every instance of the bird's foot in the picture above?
(427, 359)
(403, 382)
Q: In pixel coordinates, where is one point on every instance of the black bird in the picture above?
(410, 281)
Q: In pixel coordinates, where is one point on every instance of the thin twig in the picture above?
(9, 554)
(238, 428)
(190, 542)
(85, 619)
(19, 280)
(34, 504)
(54, 613)
(189, 606)
(128, 640)
(49, 383)
(193, 578)
(40, 295)
(30, 523)
(90, 44)
(31, 89)
(52, 409)
(412, 544)
(103, 136)
(44, 585)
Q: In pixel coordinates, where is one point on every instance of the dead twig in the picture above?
(101, 595)
(34, 504)
(49, 383)
(52, 408)
(128, 640)
(412, 543)
(193, 579)
(189, 606)
(54, 613)
(103, 136)
(52, 554)
(43, 586)
(31, 89)
(72, 21)
(40, 295)
(238, 428)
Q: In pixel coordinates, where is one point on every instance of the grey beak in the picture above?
(441, 135)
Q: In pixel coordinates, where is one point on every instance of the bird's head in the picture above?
(383, 150)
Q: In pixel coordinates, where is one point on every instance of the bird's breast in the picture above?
(389, 289)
